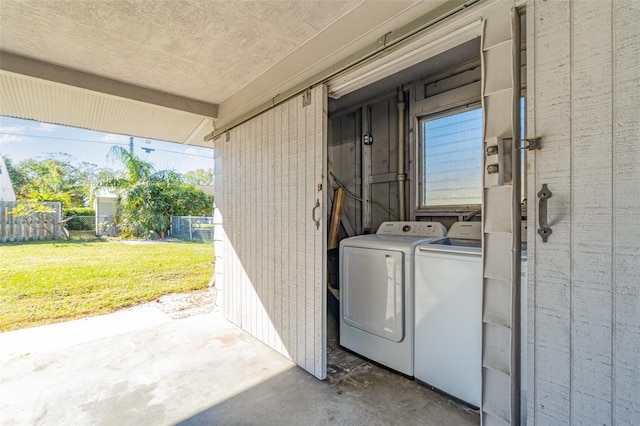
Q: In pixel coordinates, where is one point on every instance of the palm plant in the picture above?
(142, 202)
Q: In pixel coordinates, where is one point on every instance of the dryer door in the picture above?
(373, 291)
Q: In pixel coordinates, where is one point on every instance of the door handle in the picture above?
(543, 227)
(313, 214)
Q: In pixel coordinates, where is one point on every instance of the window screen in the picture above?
(452, 163)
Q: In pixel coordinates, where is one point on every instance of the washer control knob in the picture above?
(406, 228)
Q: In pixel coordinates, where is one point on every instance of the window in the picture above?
(452, 159)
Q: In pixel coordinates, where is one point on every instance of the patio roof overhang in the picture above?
(174, 70)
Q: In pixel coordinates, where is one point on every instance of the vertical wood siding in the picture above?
(269, 252)
(345, 160)
(626, 212)
(591, 213)
(584, 96)
(344, 156)
(384, 161)
(552, 105)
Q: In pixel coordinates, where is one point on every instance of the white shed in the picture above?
(6, 187)
(295, 91)
(105, 204)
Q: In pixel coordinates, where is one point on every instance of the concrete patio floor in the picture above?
(141, 367)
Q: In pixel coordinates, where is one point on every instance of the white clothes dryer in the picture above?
(376, 292)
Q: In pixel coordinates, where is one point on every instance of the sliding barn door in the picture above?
(501, 218)
(584, 287)
(270, 244)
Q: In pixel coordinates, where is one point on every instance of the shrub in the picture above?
(79, 211)
(83, 218)
(84, 223)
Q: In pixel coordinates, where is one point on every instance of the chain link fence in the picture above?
(192, 228)
(82, 223)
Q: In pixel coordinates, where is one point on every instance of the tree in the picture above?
(187, 200)
(147, 198)
(199, 177)
(18, 179)
(54, 178)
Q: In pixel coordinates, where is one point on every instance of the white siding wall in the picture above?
(269, 253)
(584, 294)
(6, 187)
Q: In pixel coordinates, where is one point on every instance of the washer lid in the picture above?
(457, 242)
(466, 230)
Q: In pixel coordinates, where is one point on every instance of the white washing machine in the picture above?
(376, 292)
(448, 312)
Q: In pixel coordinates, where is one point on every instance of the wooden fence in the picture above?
(39, 226)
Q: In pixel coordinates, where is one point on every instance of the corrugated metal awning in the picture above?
(52, 102)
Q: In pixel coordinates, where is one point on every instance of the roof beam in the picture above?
(46, 71)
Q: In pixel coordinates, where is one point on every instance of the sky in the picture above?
(24, 139)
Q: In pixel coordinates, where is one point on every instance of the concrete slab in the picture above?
(64, 334)
(196, 370)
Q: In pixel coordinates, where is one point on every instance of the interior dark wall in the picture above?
(373, 111)
(344, 150)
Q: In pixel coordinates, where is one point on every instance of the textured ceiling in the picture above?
(179, 67)
(204, 50)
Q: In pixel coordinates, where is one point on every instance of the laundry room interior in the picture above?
(405, 153)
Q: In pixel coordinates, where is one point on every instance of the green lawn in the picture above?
(45, 282)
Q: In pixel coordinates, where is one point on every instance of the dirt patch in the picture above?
(156, 241)
(183, 305)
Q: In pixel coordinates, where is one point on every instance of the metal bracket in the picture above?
(493, 168)
(367, 139)
(531, 144)
(306, 98)
(382, 41)
(543, 228)
(492, 150)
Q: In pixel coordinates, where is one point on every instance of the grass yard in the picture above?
(45, 282)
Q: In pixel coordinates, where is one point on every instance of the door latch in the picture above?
(531, 144)
(313, 214)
